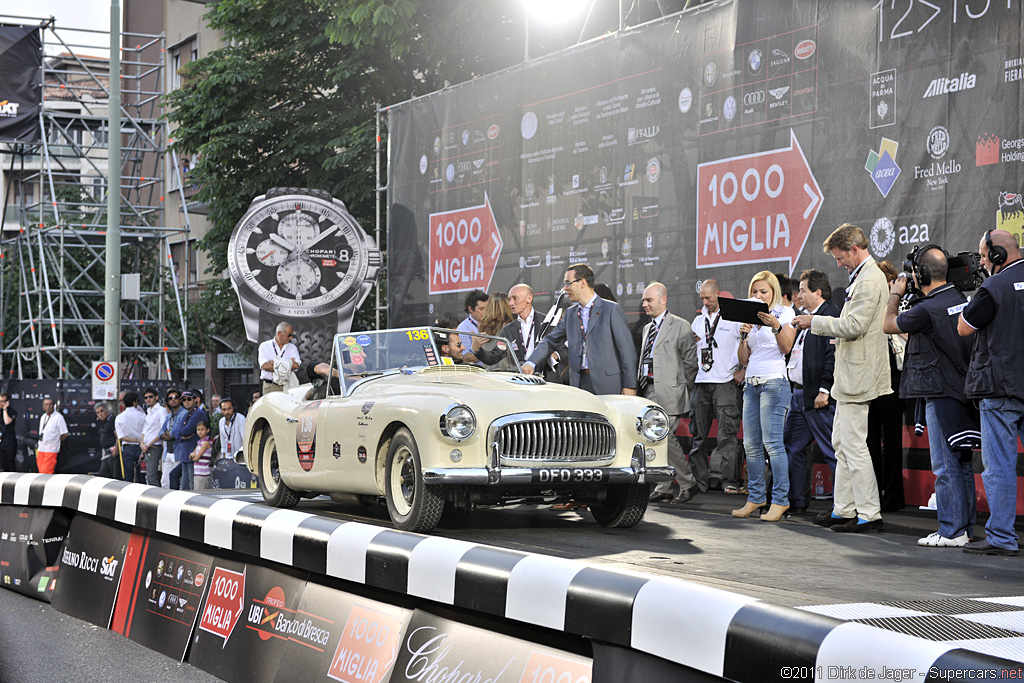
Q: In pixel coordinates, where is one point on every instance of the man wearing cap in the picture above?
(185, 435)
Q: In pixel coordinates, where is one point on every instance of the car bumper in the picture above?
(556, 476)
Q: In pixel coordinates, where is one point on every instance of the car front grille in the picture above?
(554, 439)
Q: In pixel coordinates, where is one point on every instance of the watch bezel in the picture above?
(362, 245)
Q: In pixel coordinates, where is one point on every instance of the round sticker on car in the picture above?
(363, 340)
(361, 454)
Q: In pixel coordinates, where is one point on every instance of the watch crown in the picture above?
(375, 258)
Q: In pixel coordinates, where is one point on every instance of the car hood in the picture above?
(506, 392)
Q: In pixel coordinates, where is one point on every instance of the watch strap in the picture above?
(313, 336)
(319, 194)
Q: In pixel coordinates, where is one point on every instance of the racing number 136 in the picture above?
(417, 334)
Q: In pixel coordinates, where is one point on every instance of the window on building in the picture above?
(178, 255)
(175, 66)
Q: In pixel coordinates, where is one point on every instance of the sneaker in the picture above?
(937, 541)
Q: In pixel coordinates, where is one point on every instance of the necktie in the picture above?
(647, 358)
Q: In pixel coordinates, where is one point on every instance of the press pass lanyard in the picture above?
(709, 331)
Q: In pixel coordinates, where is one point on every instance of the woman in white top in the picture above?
(766, 397)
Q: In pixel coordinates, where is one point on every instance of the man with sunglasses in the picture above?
(152, 448)
(175, 414)
(274, 357)
(186, 437)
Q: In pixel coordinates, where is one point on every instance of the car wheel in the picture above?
(275, 491)
(624, 507)
(412, 505)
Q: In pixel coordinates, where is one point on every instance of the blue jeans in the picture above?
(187, 469)
(803, 426)
(954, 479)
(764, 420)
(1002, 420)
(125, 468)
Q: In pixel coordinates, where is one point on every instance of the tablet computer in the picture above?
(742, 311)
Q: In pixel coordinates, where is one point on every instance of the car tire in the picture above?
(624, 507)
(412, 505)
(275, 492)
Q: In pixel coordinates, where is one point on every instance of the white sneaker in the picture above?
(936, 541)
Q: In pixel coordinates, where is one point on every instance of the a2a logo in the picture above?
(109, 566)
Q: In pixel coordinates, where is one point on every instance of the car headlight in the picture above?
(458, 423)
(652, 424)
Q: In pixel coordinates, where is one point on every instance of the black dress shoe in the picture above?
(797, 509)
(856, 526)
(826, 520)
(983, 547)
(686, 496)
(660, 497)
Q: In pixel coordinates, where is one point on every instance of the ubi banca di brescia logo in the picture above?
(882, 166)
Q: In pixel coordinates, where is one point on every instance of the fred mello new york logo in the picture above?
(882, 166)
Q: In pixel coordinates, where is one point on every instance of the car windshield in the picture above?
(364, 354)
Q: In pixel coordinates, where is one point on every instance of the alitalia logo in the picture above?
(944, 86)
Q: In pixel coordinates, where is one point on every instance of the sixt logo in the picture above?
(109, 566)
(8, 108)
(944, 86)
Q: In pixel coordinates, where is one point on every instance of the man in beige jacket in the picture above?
(861, 374)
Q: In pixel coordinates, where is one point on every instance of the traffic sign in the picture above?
(464, 249)
(104, 380)
(756, 208)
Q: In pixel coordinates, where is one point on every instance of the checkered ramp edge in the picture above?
(724, 634)
(991, 626)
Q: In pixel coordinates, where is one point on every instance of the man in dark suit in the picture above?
(812, 411)
(668, 368)
(602, 359)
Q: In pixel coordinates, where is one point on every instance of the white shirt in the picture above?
(727, 344)
(468, 325)
(151, 427)
(766, 359)
(269, 350)
(51, 427)
(526, 329)
(129, 425)
(232, 436)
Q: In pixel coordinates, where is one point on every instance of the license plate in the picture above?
(567, 475)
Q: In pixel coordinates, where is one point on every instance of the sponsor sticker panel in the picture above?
(91, 562)
(31, 541)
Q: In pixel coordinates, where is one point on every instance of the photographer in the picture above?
(934, 369)
(996, 376)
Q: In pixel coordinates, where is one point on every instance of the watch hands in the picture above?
(321, 236)
(282, 241)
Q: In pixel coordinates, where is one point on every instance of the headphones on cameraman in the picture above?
(996, 254)
(924, 275)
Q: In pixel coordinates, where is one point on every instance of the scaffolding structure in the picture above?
(54, 266)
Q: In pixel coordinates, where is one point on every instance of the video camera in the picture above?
(964, 270)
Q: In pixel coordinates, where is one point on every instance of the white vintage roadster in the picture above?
(399, 420)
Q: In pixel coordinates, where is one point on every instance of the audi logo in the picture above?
(752, 98)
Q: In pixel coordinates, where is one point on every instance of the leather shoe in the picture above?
(797, 509)
(774, 513)
(686, 496)
(826, 519)
(983, 547)
(660, 496)
(857, 526)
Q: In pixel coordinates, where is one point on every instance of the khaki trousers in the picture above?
(270, 386)
(855, 490)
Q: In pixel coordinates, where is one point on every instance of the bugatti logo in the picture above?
(805, 49)
(493, 131)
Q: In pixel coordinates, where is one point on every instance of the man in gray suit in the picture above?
(668, 368)
(602, 358)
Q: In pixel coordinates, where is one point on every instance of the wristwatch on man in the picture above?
(297, 255)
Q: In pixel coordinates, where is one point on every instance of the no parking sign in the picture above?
(104, 380)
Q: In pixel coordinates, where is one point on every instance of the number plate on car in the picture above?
(568, 475)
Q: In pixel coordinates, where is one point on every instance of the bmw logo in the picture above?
(729, 108)
(754, 61)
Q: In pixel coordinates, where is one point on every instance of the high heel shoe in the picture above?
(774, 513)
(748, 509)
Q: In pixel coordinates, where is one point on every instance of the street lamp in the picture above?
(548, 11)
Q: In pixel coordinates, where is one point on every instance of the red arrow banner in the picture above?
(756, 208)
(464, 249)
(223, 603)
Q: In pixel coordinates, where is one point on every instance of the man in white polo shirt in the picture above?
(53, 430)
(152, 446)
(273, 356)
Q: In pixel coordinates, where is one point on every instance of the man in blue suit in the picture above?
(811, 368)
(602, 357)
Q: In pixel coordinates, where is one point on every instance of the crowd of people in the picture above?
(836, 367)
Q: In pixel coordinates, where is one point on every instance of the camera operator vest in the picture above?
(936, 361)
(996, 369)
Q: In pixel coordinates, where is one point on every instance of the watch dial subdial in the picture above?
(298, 277)
(298, 228)
(270, 253)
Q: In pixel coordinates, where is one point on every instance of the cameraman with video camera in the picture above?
(935, 370)
(996, 376)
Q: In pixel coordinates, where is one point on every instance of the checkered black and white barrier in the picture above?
(723, 634)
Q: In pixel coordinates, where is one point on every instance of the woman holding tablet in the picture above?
(766, 397)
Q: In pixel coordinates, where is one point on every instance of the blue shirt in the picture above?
(184, 432)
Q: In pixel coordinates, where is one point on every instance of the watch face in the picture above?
(298, 255)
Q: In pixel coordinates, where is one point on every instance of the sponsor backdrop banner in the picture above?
(21, 63)
(30, 546)
(90, 569)
(715, 143)
(158, 596)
